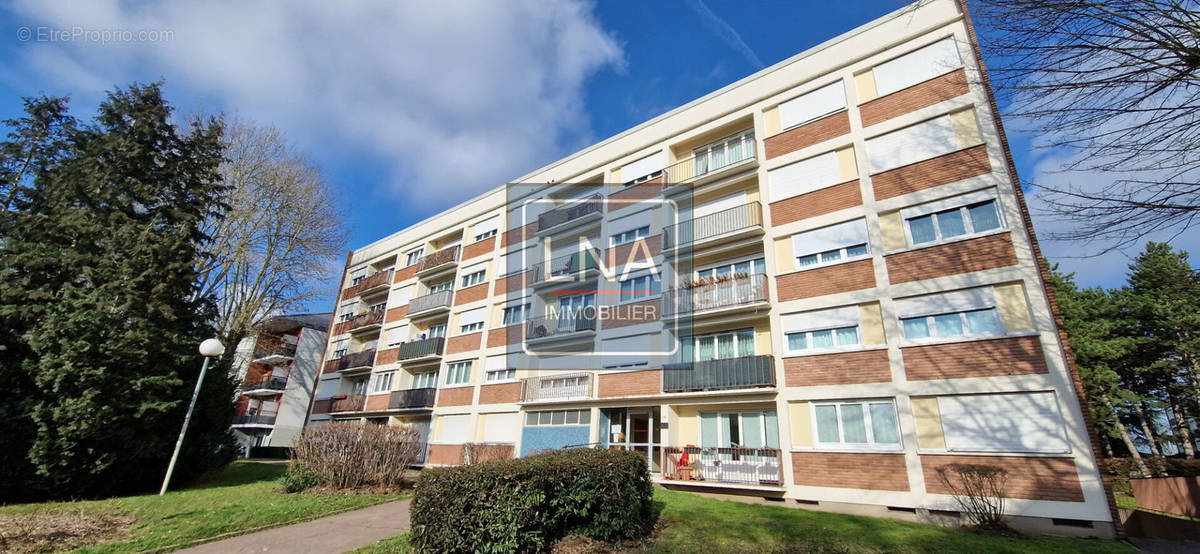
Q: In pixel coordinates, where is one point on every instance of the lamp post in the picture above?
(210, 348)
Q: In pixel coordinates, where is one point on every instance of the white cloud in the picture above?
(453, 98)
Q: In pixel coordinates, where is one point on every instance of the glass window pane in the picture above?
(725, 271)
(572, 417)
(742, 267)
(531, 418)
(856, 251)
(921, 229)
(745, 346)
(544, 418)
(984, 216)
(915, 328)
(853, 427)
(585, 417)
(847, 336)
(759, 266)
(827, 424)
(983, 321)
(822, 339)
(831, 255)
(948, 325)
(951, 223)
(883, 423)
(707, 349)
(559, 418)
(724, 347)
(797, 341)
(810, 259)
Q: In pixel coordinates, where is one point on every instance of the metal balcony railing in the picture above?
(557, 387)
(732, 152)
(412, 398)
(280, 351)
(711, 295)
(357, 360)
(278, 382)
(713, 225)
(746, 372)
(421, 348)
(439, 258)
(379, 279)
(575, 209)
(542, 327)
(373, 317)
(563, 266)
(743, 466)
(430, 302)
(259, 419)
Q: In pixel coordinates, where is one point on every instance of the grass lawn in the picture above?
(694, 523)
(244, 497)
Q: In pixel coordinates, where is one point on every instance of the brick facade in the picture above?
(518, 235)
(634, 194)
(633, 251)
(471, 294)
(791, 140)
(629, 383)
(396, 314)
(953, 258)
(455, 396)
(389, 356)
(377, 402)
(504, 393)
(841, 368)
(513, 334)
(634, 313)
(479, 248)
(880, 472)
(329, 367)
(921, 95)
(979, 358)
(1028, 477)
(818, 202)
(936, 171)
(463, 343)
(406, 273)
(826, 280)
(515, 282)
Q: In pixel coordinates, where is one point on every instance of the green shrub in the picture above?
(525, 505)
(299, 478)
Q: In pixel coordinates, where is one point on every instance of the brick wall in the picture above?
(377, 402)
(463, 343)
(513, 334)
(515, 282)
(634, 313)
(518, 235)
(881, 472)
(396, 314)
(471, 294)
(826, 280)
(842, 368)
(340, 328)
(817, 202)
(629, 383)
(500, 394)
(808, 134)
(621, 254)
(405, 273)
(1028, 477)
(990, 252)
(455, 396)
(389, 356)
(479, 248)
(928, 93)
(980, 358)
(936, 171)
(444, 454)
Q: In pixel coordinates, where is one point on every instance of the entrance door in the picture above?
(637, 429)
(422, 426)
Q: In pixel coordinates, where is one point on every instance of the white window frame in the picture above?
(474, 278)
(582, 417)
(441, 286)
(440, 331)
(500, 375)
(413, 256)
(755, 261)
(746, 138)
(340, 348)
(358, 275)
(762, 427)
(695, 339)
(383, 382)
(359, 386)
(802, 100)
(652, 288)
(968, 223)
(837, 345)
(459, 373)
(967, 334)
(486, 235)
(869, 428)
(523, 310)
(629, 236)
(425, 380)
(470, 328)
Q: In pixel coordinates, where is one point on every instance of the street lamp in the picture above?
(210, 348)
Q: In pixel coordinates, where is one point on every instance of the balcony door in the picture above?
(636, 429)
(718, 346)
(571, 307)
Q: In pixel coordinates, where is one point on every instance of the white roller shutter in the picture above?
(828, 238)
(845, 316)
(1018, 422)
(917, 66)
(803, 176)
(400, 297)
(724, 203)
(912, 144)
(472, 316)
(397, 335)
(644, 166)
(457, 429)
(502, 428)
(947, 302)
(811, 105)
(490, 224)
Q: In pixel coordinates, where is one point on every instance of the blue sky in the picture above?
(411, 107)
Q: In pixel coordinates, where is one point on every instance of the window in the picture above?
(813, 105)
(839, 337)
(485, 235)
(457, 429)
(471, 320)
(640, 287)
(644, 169)
(358, 386)
(804, 176)
(922, 141)
(956, 324)
(340, 347)
(844, 241)
(413, 257)
(1012, 422)
(725, 152)
(473, 278)
(718, 346)
(917, 66)
(470, 327)
(954, 222)
(438, 330)
(487, 228)
(383, 381)
(821, 330)
(750, 429)
(755, 266)
(515, 314)
(558, 417)
(629, 236)
(425, 380)
(358, 276)
(458, 373)
(857, 423)
(378, 307)
(446, 285)
(507, 374)
(397, 336)
(346, 313)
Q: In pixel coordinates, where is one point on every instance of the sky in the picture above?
(412, 107)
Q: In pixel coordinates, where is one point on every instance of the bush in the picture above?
(527, 504)
(348, 456)
(298, 478)
(979, 491)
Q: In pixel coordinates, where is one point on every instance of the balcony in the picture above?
(746, 372)
(276, 355)
(733, 292)
(576, 211)
(736, 152)
(378, 281)
(271, 385)
(759, 467)
(445, 258)
(562, 387)
(340, 403)
(730, 223)
(365, 322)
(421, 350)
(560, 268)
(357, 361)
(412, 399)
(259, 420)
(545, 328)
(431, 303)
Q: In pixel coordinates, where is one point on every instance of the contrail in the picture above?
(724, 31)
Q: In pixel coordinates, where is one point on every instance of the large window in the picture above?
(459, 373)
(866, 423)
(917, 66)
(640, 287)
(558, 417)
(718, 346)
(629, 236)
(831, 244)
(1013, 422)
(471, 321)
(922, 141)
(725, 152)
(436, 331)
(754, 266)
(748, 429)
(413, 256)
(425, 380)
(644, 169)
(358, 386)
(817, 331)
(340, 348)
(473, 278)
(383, 381)
(487, 228)
(953, 222)
(964, 313)
(358, 276)
(515, 314)
(448, 284)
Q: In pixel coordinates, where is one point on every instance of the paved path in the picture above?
(333, 534)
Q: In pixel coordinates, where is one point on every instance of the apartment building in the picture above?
(818, 284)
(277, 369)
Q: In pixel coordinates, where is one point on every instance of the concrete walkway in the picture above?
(333, 534)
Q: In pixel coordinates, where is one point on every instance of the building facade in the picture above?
(819, 284)
(277, 369)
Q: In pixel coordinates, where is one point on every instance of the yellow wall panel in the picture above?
(784, 261)
(893, 231)
(847, 169)
(801, 423)
(864, 83)
(1013, 307)
(966, 128)
(872, 323)
(929, 423)
(771, 121)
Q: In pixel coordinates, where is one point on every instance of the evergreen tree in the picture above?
(100, 257)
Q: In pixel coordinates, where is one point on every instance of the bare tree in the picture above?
(1115, 84)
(276, 247)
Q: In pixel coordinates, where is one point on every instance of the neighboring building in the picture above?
(845, 296)
(277, 369)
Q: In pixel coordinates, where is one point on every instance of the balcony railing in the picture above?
(377, 280)
(746, 372)
(575, 209)
(430, 302)
(557, 387)
(373, 317)
(733, 291)
(742, 466)
(563, 266)
(259, 419)
(438, 259)
(282, 351)
(713, 225)
(732, 152)
(270, 383)
(421, 348)
(544, 327)
(357, 360)
(341, 403)
(412, 398)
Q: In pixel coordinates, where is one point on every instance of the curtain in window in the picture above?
(883, 423)
(915, 328)
(847, 335)
(827, 424)
(751, 426)
(746, 343)
(984, 216)
(822, 339)
(951, 223)
(922, 229)
(707, 349)
(853, 427)
(725, 347)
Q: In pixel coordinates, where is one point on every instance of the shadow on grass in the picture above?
(238, 474)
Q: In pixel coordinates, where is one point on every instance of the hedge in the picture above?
(527, 504)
